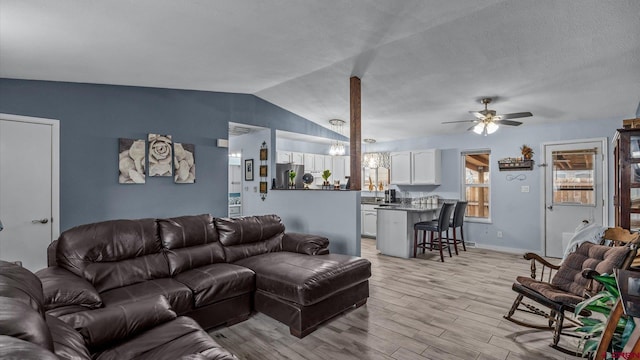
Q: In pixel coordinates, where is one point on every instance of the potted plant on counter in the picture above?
(325, 177)
(292, 177)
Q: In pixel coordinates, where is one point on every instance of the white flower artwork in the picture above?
(131, 161)
(184, 163)
(160, 155)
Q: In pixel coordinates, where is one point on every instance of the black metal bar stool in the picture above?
(458, 221)
(435, 226)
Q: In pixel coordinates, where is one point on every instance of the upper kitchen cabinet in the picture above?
(419, 167)
(309, 163)
(400, 168)
(341, 168)
(425, 167)
(297, 158)
(283, 157)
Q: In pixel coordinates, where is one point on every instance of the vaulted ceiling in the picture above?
(421, 62)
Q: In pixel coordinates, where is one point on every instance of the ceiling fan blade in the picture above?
(471, 128)
(508, 122)
(514, 115)
(477, 114)
(460, 121)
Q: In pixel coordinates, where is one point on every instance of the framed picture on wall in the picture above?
(263, 187)
(263, 154)
(263, 170)
(248, 170)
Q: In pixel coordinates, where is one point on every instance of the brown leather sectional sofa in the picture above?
(214, 270)
(145, 329)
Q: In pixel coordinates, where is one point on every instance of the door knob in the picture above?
(41, 221)
(550, 207)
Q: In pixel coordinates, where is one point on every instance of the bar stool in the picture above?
(434, 226)
(458, 221)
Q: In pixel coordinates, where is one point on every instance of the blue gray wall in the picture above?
(93, 117)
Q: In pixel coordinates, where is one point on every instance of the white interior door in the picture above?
(574, 190)
(27, 191)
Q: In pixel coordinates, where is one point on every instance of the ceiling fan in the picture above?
(488, 121)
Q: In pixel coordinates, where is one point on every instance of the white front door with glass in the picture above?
(574, 180)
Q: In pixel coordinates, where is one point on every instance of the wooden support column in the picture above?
(355, 134)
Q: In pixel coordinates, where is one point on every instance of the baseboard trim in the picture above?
(505, 249)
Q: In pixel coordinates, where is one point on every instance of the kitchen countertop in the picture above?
(404, 207)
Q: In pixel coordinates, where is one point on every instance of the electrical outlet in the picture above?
(524, 188)
(500, 234)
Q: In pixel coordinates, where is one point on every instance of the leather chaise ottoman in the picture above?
(303, 291)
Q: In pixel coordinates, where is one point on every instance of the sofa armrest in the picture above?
(305, 244)
(103, 327)
(63, 288)
(51, 253)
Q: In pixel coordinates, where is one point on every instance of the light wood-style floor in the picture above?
(418, 309)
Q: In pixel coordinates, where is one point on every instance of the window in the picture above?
(476, 186)
(573, 176)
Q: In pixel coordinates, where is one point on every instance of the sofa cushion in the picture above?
(217, 282)
(12, 348)
(67, 342)
(601, 258)
(21, 284)
(306, 279)
(64, 312)
(63, 288)
(20, 320)
(113, 253)
(249, 236)
(171, 340)
(190, 242)
(179, 295)
(104, 327)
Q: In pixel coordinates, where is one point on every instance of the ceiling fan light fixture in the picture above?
(492, 127)
(479, 128)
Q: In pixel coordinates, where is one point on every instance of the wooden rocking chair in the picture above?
(561, 287)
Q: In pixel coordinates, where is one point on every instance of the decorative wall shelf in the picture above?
(512, 164)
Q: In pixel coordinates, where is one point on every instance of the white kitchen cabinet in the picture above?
(309, 163)
(297, 158)
(318, 161)
(400, 168)
(425, 167)
(418, 167)
(283, 157)
(341, 168)
(328, 165)
(368, 220)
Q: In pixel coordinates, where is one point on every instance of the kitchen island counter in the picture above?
(394, 227)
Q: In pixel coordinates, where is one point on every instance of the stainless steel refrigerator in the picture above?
(282, 175)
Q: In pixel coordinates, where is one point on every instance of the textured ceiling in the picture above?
(421, 62)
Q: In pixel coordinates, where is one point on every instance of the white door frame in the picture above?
(543, 193)
(55, 164)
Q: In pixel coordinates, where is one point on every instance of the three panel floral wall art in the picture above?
(165, 157)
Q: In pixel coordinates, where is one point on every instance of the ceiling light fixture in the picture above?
(337, 148)
(370, 160)
(485, 128)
